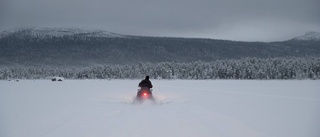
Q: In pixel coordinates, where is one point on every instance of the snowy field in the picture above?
(183, 108)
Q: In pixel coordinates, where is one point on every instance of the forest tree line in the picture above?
(245, 68)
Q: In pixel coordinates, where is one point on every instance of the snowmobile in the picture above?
(144, 93)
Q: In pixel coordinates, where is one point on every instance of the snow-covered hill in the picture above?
(309, 36)
(71, 46)
(183, 108)
(59, 32)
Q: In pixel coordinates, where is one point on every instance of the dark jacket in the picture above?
(145, 83)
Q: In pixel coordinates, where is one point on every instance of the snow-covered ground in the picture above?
(183, 108)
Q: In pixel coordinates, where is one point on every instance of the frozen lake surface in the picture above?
(183, 108)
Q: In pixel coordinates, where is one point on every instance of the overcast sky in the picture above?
(245, 20)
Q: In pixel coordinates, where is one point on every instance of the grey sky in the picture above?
(245, 20)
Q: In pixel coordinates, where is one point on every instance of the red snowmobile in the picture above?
(144, 93)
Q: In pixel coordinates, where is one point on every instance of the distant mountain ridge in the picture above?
(59, 32)
(309, 36)
(78, 47)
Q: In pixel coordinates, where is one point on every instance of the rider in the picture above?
(146, 83)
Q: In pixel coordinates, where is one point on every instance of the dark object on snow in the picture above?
(57, 79)
(146, 83)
